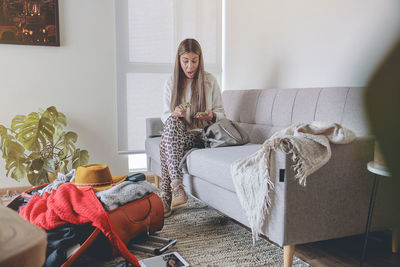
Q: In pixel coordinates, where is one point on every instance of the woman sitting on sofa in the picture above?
(191, 100)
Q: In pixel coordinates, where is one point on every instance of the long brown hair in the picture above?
(198, 95)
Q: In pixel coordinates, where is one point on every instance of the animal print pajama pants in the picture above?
(175, 141)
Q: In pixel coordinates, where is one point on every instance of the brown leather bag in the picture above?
(130, 220)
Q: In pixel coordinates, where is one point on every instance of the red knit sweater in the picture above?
(73, 205)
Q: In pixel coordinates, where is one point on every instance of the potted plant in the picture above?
(36, 146)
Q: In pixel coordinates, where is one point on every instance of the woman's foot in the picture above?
(179, 197)
(166, 201)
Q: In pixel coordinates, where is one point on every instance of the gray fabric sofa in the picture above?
(335, 201)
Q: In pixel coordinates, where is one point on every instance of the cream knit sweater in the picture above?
(213, 98)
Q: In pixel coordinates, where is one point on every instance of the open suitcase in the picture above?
(145, 215)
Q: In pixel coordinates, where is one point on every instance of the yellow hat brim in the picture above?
(96, 188)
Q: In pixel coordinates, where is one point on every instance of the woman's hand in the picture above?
(209, 117)
(179, 112)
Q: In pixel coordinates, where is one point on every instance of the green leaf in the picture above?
(17, 166)
(34, 155)
(4, 138)
(3, 131)
(28, 136)
(62, 119)
(16, 163)
(80, 157)
(58, 132)
(15, 160)
(38, 177)
(13, 150)
(33, 132)
(37, 164)
(19, 172)
(67, 145)
(46, 131)
(50, 112)
(64, 166)
(17, 121)
(71, 137)
(57, 118)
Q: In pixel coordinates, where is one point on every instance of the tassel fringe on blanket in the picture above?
(309, 147)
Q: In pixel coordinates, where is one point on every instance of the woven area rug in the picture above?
(207, 238)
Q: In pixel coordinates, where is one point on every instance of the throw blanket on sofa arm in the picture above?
(310, 149)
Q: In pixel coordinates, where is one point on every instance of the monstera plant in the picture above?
(37, 145)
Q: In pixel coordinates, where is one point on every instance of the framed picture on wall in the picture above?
(29, 22)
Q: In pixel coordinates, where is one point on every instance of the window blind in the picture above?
(147, 36)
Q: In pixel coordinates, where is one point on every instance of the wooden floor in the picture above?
(347, 251)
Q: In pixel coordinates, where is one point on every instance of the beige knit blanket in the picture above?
(308, 144)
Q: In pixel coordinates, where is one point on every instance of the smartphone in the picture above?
(172, 259)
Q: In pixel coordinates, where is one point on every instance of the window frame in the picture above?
(124, 66)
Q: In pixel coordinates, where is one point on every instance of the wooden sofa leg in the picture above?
(288, 252)
(395, 240)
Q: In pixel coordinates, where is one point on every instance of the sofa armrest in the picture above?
(333, 204)
(154, 127)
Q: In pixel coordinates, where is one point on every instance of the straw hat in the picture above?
(97, 176)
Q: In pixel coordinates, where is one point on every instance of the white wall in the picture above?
(78, 78)
(308, 43)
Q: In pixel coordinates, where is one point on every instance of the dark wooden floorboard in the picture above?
(346, 252)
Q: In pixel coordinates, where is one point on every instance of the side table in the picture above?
(378, 171)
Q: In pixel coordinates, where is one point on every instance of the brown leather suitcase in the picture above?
(130, 220)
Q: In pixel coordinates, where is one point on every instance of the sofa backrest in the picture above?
(263, 112)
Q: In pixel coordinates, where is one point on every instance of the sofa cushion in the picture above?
(214, 164)
(201, 161)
